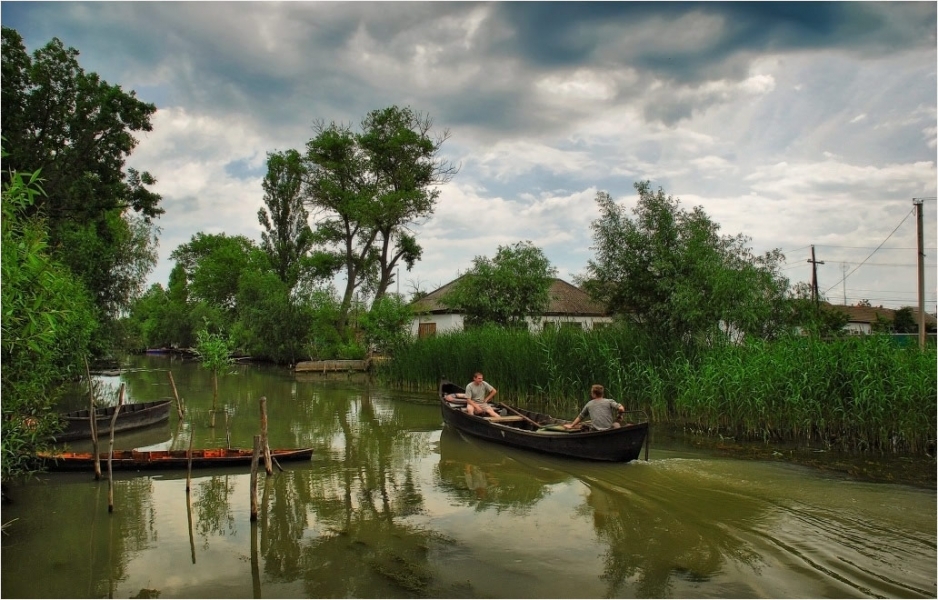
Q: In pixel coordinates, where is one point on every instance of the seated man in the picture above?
(479, 393)
(602, 411)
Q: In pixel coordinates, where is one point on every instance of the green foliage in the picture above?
(505, 290)
(904, 321)
(47, 326)
(669, 270)
(213, 350)
(287, 237)
(814, 318)
(387, 325)
(853, 393)
(78, 130)
(402, 160)
(213, 264)
(324, 338)
(272, 324)
(370, 187)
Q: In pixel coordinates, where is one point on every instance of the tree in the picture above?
(387, 325)
(213, 263)
(403, 159)
(214, 350)
(505, 290)
(370, 188)
(287, 237)
(272, 323)
(904, 321)
(339, 190)
(47, 326)
(670, 270)
(814, 318)
(79, 130)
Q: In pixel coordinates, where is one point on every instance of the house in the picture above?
(569, 307)
(860, 319)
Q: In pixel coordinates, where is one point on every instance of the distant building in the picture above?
(569, 307)
(860, 319)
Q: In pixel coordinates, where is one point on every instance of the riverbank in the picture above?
(917, 471)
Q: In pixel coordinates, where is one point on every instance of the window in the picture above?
(426, 330)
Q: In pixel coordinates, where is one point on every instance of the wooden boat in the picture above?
(165, 459)
(543, 433)
(131, 416)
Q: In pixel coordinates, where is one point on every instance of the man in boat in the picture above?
(479, 392)
(602, 411)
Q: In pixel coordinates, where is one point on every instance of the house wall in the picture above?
(455, 322)
(857, 328)
(537, 324)
(447, 322)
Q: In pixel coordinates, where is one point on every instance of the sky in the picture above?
(794, 124)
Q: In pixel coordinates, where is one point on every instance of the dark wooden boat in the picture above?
(165, 459)
(543, 433)
(131, 416)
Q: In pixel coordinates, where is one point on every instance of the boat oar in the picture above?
(531, 421)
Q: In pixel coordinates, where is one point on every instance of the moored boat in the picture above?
(131, 416)
(543, 433)
(165, 459)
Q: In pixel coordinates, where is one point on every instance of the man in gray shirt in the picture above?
(602, 411)
(479, 393)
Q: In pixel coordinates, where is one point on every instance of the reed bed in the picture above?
(858, 393)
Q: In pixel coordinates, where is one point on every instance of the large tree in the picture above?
(368, 188)
(213, 265)
(78, 130)
(671, 270)
(506, 289)
(287, 237)
(403, 158)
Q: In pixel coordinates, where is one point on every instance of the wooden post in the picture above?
(189, 516)
(110, 452)
(189, 457)
(179, 409)
(189, 493)
(227, 431)
(94, 423)
(255, 562)
(264, 444)
(255, 458)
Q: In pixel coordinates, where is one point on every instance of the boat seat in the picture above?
(508, 419)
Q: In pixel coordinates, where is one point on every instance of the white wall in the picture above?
(447, 322)
(451, 322)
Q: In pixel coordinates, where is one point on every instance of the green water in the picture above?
(392, 505)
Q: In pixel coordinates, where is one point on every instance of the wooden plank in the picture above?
(508, 419)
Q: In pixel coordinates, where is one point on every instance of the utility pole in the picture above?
(843, 267)
(814, 264)
(918, 202)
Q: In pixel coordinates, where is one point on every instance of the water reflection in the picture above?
(393, 505)
(483, 476)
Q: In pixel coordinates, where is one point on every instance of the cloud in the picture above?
(794, 123)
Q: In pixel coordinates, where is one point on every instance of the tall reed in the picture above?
(860, 393)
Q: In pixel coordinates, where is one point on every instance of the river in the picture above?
(394, 505)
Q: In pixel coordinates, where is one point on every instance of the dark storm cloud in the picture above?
(566, 33)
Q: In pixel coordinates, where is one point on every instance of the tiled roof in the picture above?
(565, 299)
(868, 314)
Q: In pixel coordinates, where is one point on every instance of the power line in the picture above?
(868, 247)
(873, 252)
